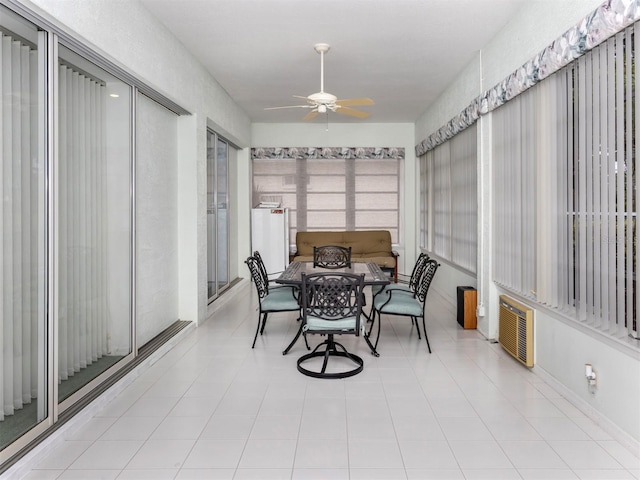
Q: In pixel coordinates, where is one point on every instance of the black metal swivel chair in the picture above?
(399, 302)
(331, 256)
(270, 301)
(332, 305)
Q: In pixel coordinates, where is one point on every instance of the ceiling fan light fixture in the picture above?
(323, 102)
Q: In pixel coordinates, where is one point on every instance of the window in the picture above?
(566, 199)
(219, 154)
(448, 200)
(331, 189)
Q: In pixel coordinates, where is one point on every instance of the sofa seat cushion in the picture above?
(366, 246)
(383, 262)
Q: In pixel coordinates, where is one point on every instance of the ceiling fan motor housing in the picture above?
(322, 98)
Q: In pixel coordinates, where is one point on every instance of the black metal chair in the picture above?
(265, 274)
(270, 301)
(332, 305)
(400, 302)
(332, 256)
(414, 279)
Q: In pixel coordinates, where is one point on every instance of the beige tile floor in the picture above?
(213, 408)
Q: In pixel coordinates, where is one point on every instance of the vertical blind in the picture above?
(20, 249)
(332, 193)
(566, 197)
(448, 200)
(83, 312)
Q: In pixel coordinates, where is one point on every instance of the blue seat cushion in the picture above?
(316, 324)
(279, 299)
(401, 303)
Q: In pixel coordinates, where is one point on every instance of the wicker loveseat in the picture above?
(366, 246)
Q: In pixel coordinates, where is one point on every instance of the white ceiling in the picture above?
(400, 53)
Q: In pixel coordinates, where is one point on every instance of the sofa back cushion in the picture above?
(364, 242)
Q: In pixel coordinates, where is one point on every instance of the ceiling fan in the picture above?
(323, 102)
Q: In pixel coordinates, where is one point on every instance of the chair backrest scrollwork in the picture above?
(332, 256)
(333, 297)
(431, 266)
(261, 282)
(418, 269)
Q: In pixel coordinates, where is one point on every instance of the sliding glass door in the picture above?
(217, 214)
(23, 329)
(67, 203)
(94, 232)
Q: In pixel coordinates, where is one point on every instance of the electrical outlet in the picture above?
(480, 311)
(591, 376)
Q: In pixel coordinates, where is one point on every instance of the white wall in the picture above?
(562, 350)
(562, 347)
(354, 135)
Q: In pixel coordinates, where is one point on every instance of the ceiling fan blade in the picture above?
(352, 112)
(311, 115)
(290, 106)
(354, 102)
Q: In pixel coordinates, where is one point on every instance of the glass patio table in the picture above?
(373, 274)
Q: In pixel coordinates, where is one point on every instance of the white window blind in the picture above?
(332, 193)
(448, 200)
(22, 228)
(84, 314)
(565, 189)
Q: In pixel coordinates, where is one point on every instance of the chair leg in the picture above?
(345, 353)
(424, 327)
(374, 352)
(295, 339)
(371, 313)
(371, 319)
(375, 345)
(330, 350)
(258, 329)
(414, 321)
(326, 358)
(264, 322)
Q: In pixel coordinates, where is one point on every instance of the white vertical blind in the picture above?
(442, 201)
(565, 188)
(448, 200)
(20, 228)
(464, 199)
(83, 313)
(332, 193)
(424, 192)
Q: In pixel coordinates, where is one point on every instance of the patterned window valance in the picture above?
(328, 152)
(609, 18)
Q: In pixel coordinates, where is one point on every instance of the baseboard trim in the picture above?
(602, 421)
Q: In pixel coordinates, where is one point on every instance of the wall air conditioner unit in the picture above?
(516, 330)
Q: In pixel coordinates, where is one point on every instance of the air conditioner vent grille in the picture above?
(516, 330)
